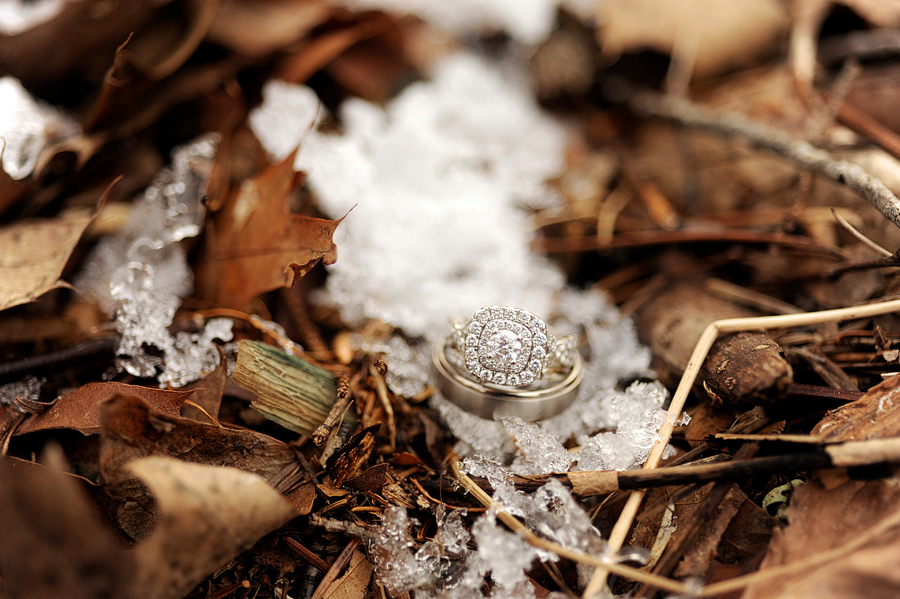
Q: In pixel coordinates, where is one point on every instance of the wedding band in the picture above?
(541, 401)
(509, 346)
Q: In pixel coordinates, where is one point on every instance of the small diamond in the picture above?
(472, 365)
(538, 353)
(483, 315)
(475, 328)
(513, 380)
(503, 348)
(499, 378)
(536, 366)
(496, 312)
(471, 341)
(485, 375)
(527, 377)
(540, 339)
(517, 328)
(472, 354)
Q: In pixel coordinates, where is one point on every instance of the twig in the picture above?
(731, 325)
(337, 410)
(513, 523)
(52, 360)
(856, 233)
(378, 369)
(347, 528)
(601, 482)
(704, 513)
(310, 557)
(864, 124)
(748, 297)
(798, 151)
(309, 333)
(331, 575)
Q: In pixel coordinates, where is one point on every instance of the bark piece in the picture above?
(875, 415)
(741, 368)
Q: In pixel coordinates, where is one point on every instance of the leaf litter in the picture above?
(152, 473)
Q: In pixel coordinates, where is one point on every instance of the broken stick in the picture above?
(798, 151)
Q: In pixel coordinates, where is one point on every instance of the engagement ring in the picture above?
(505, 362)
(508, 346)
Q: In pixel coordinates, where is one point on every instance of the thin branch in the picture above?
(660, 582)
(798, 151)
(707, 338)
(856, 233)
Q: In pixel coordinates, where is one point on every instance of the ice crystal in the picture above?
(505, 554)
(539, 451)
(392, 556)
(479, 145)
(140, 274)
(527, 21)
(27, 126)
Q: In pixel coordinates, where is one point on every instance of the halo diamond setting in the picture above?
(506, 346)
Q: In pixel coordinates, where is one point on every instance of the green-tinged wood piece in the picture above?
(289, 390)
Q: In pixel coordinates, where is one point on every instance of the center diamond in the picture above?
(504, 348)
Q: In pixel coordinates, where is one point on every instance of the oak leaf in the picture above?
(255, 245)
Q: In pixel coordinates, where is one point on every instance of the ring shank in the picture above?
(491, 402)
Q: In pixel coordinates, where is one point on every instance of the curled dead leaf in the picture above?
(52, 543)
(209, 514)
(727, 35)
(49, 51)
(256, 245)
(132, 430)
(34, 253)
(821, 519)
(80, 409)
(256, 28)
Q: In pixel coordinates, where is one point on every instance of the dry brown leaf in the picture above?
(33, 254)
(51, 51)
(171, 37)
(51, 544)
(713, 36)
(256, 245)
(132, 430)
(131, 100)
(354, 583)
(207, 393)
(209, 515)
(256, 28)
(348, 461)
(299, 66)
(821, 519)
(80, 409)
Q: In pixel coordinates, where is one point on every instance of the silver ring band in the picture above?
(491, 401)
(508, 346)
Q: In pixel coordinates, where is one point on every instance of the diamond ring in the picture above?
(512, 347)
